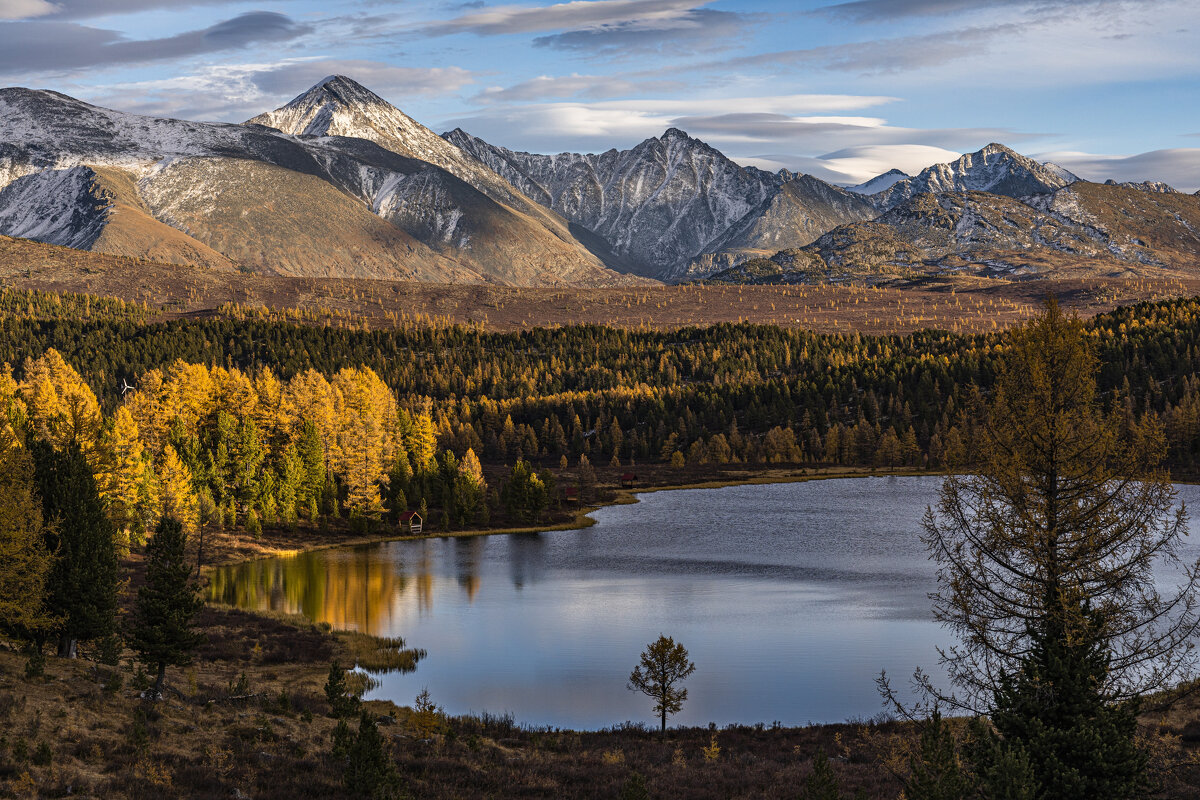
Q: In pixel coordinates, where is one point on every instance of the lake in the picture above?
(789, 597)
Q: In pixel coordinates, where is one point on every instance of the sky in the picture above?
(842, 89)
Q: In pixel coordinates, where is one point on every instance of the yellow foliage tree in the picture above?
(61, 407)
(125, 483)
(178, 495)
(365, 418)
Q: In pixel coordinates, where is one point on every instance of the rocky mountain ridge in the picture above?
(273, 202)
(1104, 229)
(995, 168)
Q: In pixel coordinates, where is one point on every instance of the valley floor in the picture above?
(958, 303)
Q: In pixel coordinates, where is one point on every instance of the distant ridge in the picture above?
(670, 200)
(994, 168)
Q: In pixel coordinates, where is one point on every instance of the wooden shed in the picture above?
(571, 494)
(410, 522)
(627, 480)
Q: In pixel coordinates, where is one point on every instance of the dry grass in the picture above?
(962, 303)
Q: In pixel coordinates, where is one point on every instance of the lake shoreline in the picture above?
(231, 548)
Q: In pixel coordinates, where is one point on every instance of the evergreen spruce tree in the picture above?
(370, 772)
(1001, 767)
(24, 562)
(342, 704)
(162, 627)
(1080, 745)
(1046, 568)
(821, 783)
(83, 582)
(936, 771)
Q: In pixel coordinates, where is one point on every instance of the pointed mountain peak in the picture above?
(673, 134)
(995, 148)
(340, 89)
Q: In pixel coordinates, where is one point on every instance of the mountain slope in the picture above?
(99, 210)
(995, 169)
(801, 210)
(1104, 229)
(339, 106)
(292, 205)
(673, 206)
(657, 205)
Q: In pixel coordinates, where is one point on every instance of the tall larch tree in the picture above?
(62, 408)
(179, 501)
(125, 483)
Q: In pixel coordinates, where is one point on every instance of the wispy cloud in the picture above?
(578, 14)
(547, 87)
(35, 46)
(875, 11)
(25, 9)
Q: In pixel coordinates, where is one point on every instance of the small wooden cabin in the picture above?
(571, 494)
(627, 480)
(410, 522)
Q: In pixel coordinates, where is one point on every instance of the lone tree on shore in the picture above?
(664, 664)
(1046, 559)
(162, 628)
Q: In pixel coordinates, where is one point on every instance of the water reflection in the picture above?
(790, 604)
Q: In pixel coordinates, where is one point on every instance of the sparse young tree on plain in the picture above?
(664, 664)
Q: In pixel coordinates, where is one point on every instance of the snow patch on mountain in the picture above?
(880, 182)
(64, 207)
(995, 168)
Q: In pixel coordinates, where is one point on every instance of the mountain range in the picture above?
(340, 183)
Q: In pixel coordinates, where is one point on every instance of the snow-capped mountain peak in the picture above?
(880, 182)
(994, 168)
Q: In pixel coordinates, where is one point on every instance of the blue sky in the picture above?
(841, 89)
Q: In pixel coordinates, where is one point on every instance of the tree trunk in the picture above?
(68, 646)
(664, 721)
(158, 683)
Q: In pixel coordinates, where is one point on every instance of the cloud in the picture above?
(25, 9)
(545, 87)
(236, 92)
(500, 20)
(547, 127)
(894, 55)
(863, 162)
(609, 27)
(689, 31)
(83, 9)
(30, 47)
(294, 77)
(1179, 167)
(892, 10)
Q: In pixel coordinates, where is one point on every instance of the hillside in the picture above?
(265, 200)
(1085, 229)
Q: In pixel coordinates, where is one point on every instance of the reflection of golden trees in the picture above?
(362, 588)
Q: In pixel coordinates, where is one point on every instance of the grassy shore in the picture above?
(250, 719)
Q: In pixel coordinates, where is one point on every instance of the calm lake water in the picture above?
(790, 598)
